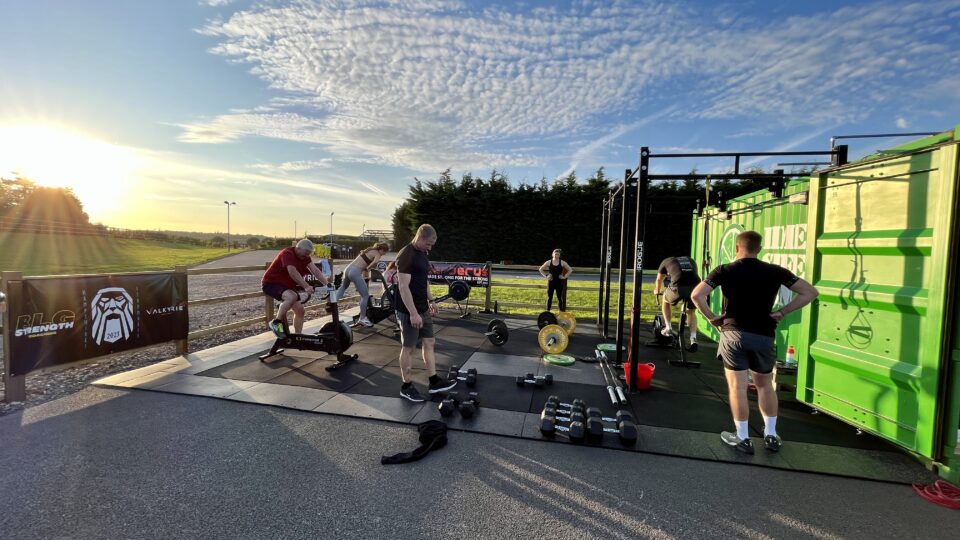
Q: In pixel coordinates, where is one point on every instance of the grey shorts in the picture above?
(410, 335)
(674, 296)
(746, 350)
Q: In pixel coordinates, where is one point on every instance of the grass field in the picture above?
(44, 254)
(582, 303)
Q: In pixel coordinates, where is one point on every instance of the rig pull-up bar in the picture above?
(835, 138)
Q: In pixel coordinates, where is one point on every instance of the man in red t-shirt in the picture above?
(285, 277)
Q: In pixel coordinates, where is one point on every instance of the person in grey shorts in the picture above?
(748, 326)
(415, 310)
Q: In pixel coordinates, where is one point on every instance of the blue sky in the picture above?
(155, 112)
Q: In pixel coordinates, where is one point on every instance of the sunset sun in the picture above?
(99, 173)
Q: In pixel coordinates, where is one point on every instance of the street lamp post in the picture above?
(331, 235)
(229, 204)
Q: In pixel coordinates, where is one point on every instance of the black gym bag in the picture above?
(433, 436)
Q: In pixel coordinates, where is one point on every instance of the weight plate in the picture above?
(459, 290)
(546, 318)
(497, 332)
(608, 347)
(559, 359)
(567, 320)
(553, 339)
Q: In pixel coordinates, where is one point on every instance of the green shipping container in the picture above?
(880, 348)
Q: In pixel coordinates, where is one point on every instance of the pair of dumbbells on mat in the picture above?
(539, 380)
(584, 422)
(469, 376)
(467, 407)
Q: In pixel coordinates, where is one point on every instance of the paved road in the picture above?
(115, 464)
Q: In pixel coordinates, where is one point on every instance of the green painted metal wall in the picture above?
(883, 236)
(784, 229)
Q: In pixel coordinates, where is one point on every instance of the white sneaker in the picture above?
(666, 332)
(365, 321)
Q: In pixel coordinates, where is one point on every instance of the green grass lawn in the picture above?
(44, 254)
(582, 303)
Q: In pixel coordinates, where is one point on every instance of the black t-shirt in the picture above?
(749, 289)
(682, 271)
(412, 261)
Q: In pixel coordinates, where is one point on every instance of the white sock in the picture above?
(667, 326)
(693, 336)
(769, 425)
(742, 431)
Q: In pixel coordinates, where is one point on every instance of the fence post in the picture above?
(487, 305)
(14, 388)
(268, 302)
(183, 346)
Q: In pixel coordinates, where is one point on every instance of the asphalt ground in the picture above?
(107, 463)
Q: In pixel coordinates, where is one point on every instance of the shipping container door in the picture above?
(882, 233)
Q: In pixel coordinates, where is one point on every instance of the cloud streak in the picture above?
(427, 85)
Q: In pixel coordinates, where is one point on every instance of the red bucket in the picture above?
(644, 374)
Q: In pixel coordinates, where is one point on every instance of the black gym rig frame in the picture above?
(632, 196)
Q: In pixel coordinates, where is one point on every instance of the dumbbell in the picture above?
(539, 380)
(469, 407)
(470, 375)
(575, 430)
(555, 401)
(449, 404)
(564, 409)
(626, 427)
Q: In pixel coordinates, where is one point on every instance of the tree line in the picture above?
(490, 219)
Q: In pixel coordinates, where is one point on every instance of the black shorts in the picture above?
(273, 290)
(745, 350)
(674, 296)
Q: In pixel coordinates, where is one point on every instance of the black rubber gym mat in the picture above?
(592, 395)
(386, 382)
(314, 375)
(250, 368)
(376, 354)
(501, 393)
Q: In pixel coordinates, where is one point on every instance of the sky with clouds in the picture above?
(295, 109)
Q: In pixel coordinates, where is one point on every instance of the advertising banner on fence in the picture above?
(476, 274)
(57, 321)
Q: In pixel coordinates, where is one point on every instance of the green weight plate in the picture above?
(559, 359)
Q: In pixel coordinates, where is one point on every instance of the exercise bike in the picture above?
(382, 308)
(675, 339)
(334, 337)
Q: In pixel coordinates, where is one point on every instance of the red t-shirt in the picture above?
(277, 272)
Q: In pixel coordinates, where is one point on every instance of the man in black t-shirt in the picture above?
(680, 276)
(747, 326)
(415, 310)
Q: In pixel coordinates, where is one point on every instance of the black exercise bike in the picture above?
(675, 340)
(334, 337)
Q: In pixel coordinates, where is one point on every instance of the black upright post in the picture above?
(642, 183)
(625, 240)
(603, 264)
(611, 206)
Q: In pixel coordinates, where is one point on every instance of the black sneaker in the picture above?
(742, 445)
(772, 443)
(442, 386)
(692, 347)
(412, 394)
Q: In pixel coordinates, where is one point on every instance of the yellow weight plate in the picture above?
(567, 320)
(553, 339)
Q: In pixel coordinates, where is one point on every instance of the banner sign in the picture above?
(57, 321)
(476, 274)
